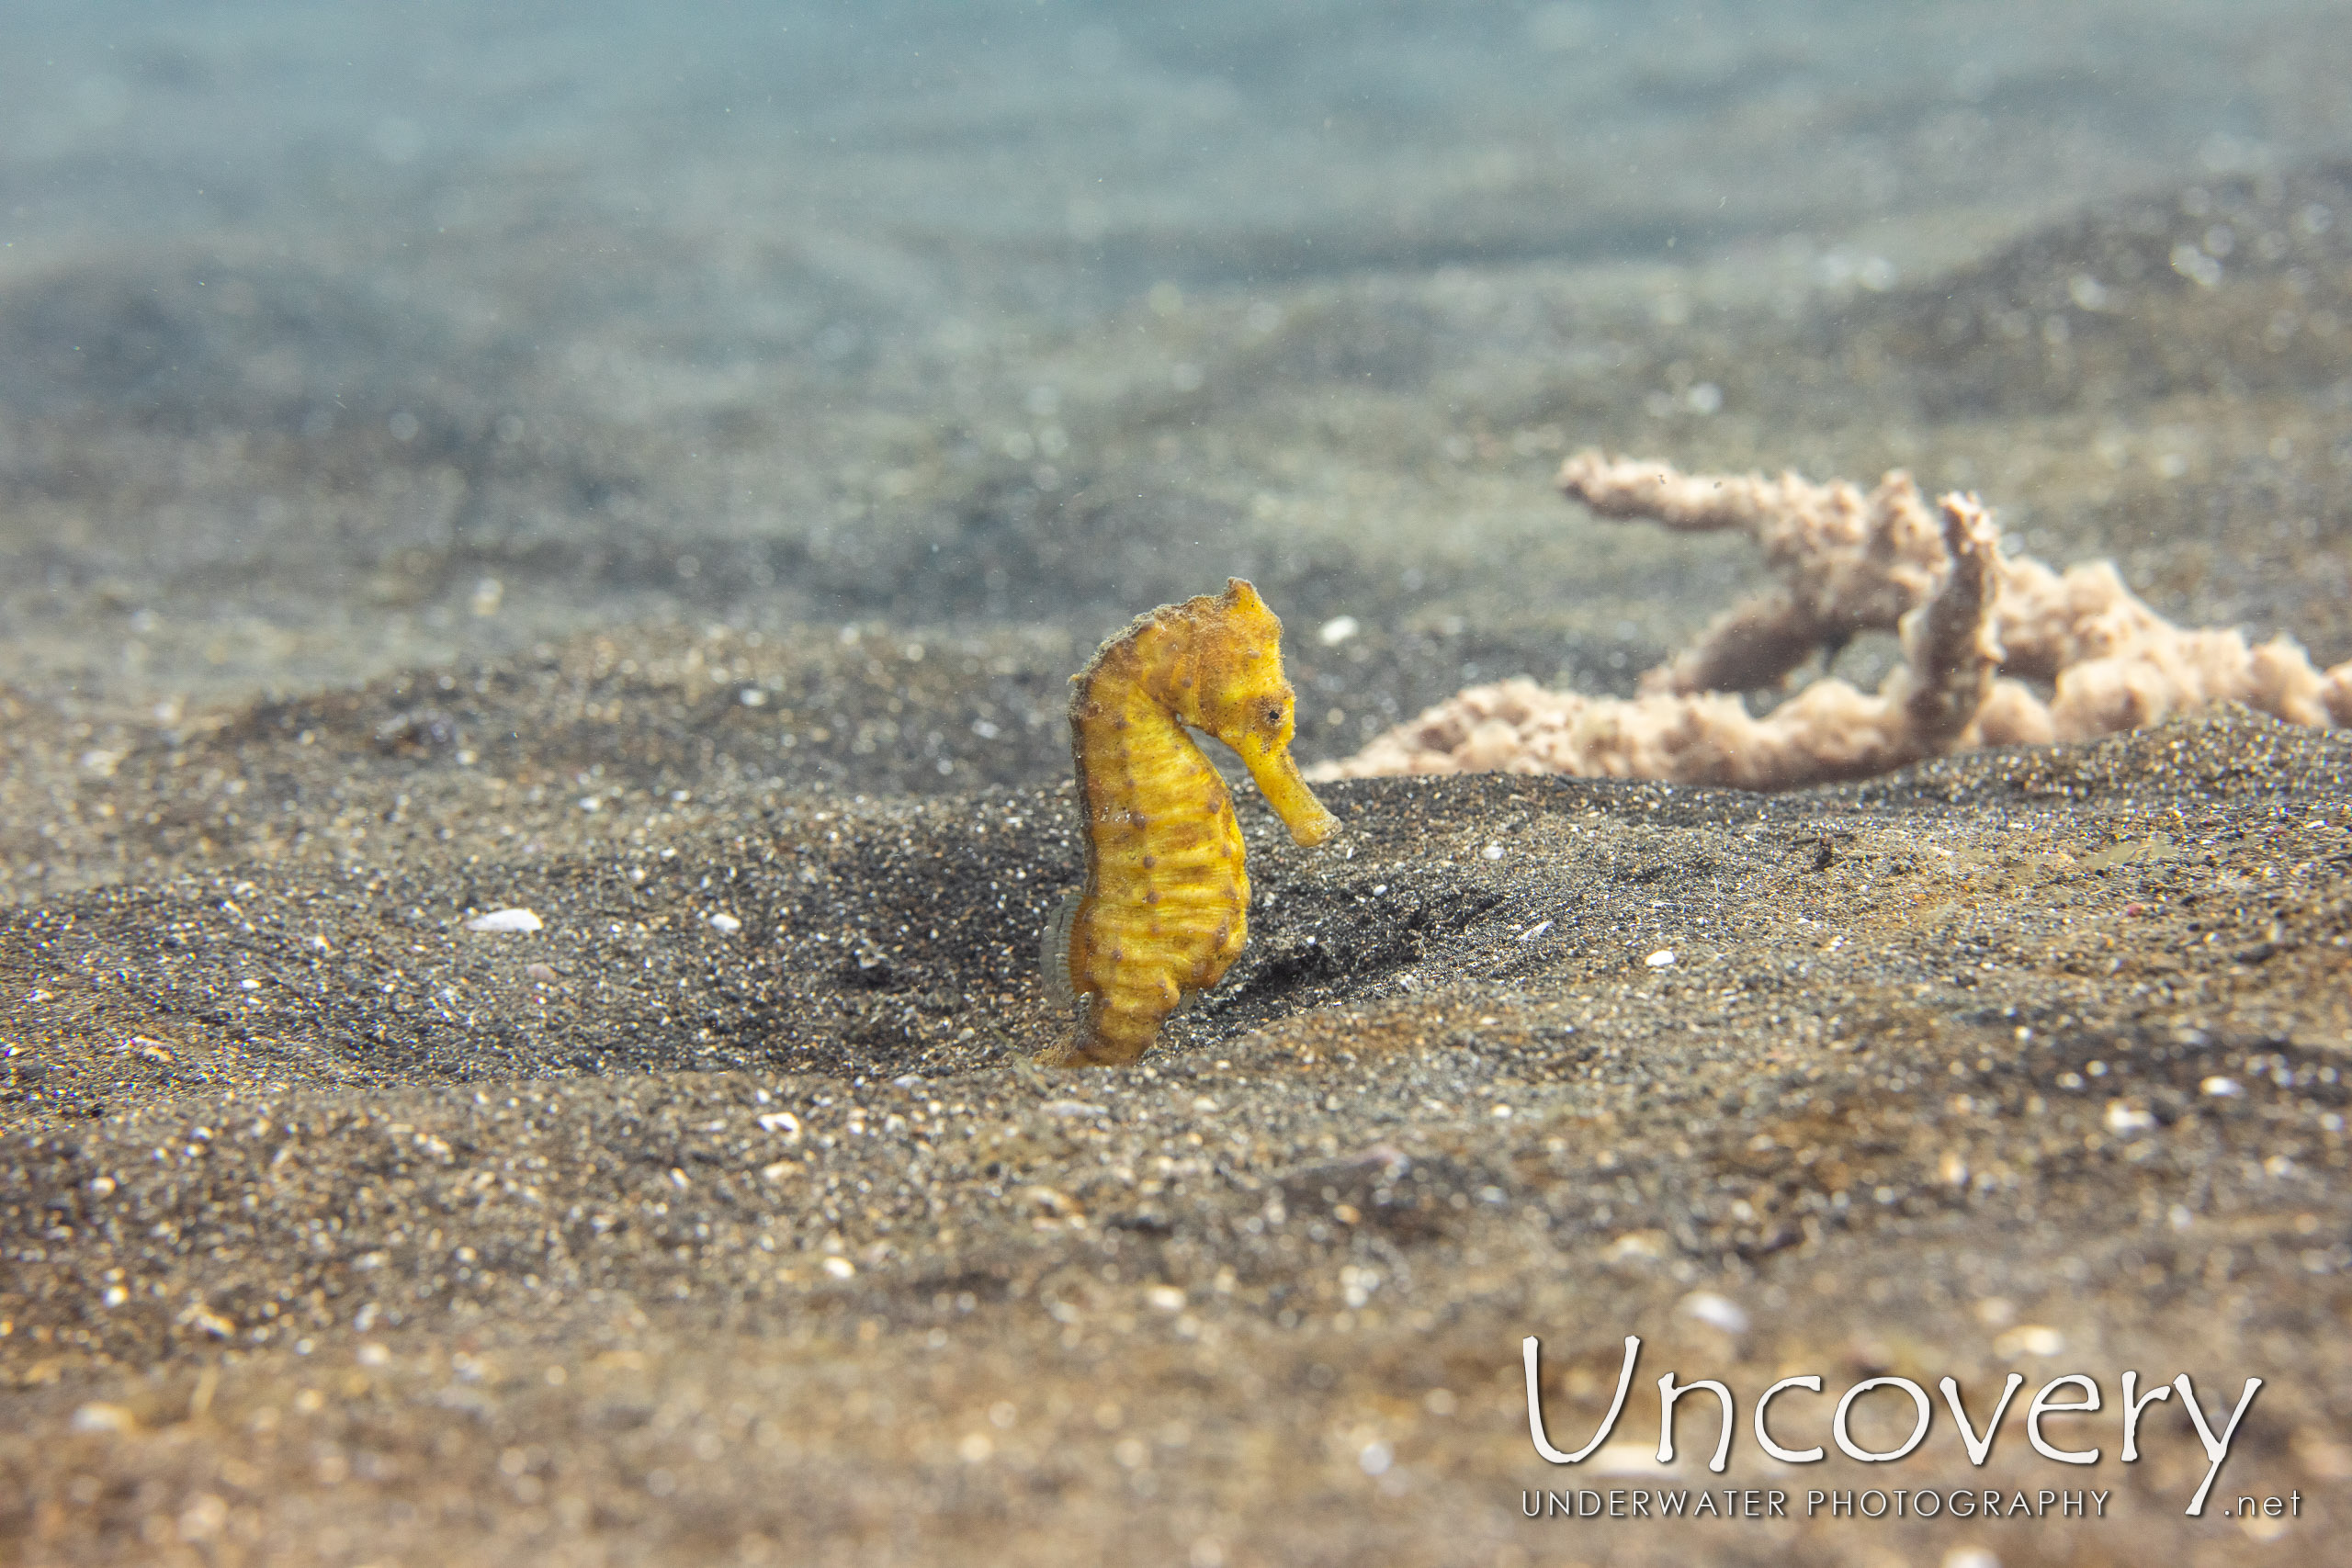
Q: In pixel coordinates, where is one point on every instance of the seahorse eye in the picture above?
(1274, 714)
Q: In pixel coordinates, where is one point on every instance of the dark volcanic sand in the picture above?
(333, 1231)
(336, 1235)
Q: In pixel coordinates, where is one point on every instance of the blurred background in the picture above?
(339, 340)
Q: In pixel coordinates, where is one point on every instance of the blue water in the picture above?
(294, 294)
(1063, 152)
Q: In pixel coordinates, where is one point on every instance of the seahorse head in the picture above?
(1239, 694)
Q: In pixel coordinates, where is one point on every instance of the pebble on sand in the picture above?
(505, 921)
(1716, 1311)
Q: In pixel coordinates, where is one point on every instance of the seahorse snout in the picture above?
(1309, 821)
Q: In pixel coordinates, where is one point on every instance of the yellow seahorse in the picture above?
(1165, 907)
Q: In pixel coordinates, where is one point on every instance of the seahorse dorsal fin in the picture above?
(1053, 952)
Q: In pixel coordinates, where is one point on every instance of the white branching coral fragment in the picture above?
(1997, 651)
(1849, 562)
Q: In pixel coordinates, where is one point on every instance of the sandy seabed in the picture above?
(723, 1218)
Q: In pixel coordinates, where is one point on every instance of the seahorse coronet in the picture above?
(1119, 954)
